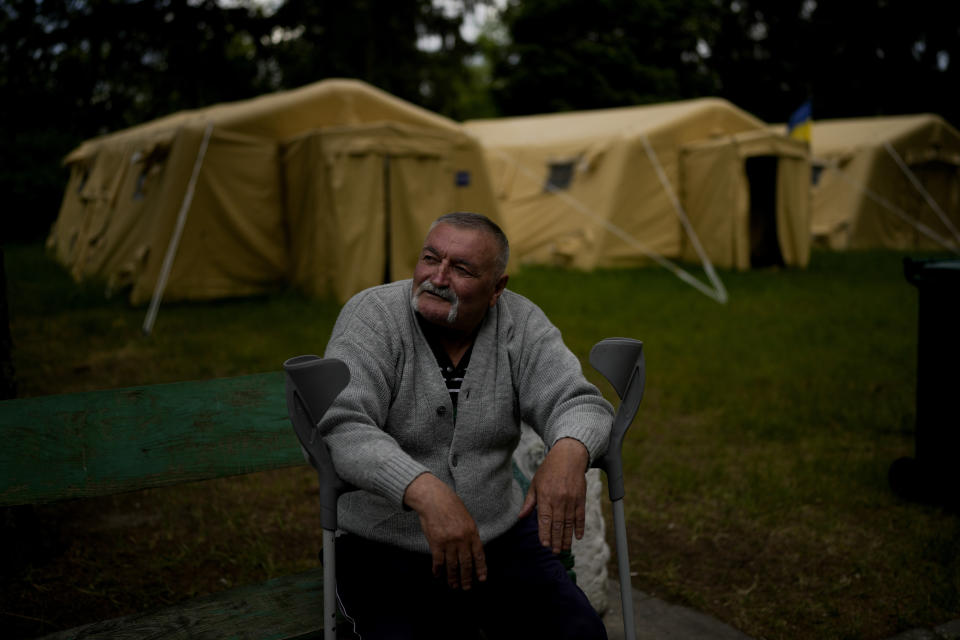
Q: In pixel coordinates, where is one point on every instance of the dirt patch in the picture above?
(88, 560)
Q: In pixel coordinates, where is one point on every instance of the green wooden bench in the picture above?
(83, 445)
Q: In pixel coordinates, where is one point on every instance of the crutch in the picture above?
(312, 384)
(620, 360)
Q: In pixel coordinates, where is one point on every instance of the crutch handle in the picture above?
(312, 384)
(621, 362)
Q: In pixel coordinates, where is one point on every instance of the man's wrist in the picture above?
(572, 447)
(418, 493)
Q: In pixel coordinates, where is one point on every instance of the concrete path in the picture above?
(948, 631)
(658, 620)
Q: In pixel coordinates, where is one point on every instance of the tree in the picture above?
(854, 58)
(70, 70)
(379, 41)
(584, 54)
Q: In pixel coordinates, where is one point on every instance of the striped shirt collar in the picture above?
(452, 374)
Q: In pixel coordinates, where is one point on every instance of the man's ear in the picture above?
(498, 289)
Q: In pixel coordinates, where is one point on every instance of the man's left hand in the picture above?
(559, 491)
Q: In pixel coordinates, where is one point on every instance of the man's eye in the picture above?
(429, 258)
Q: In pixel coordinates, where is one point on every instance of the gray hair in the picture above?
(469, 220)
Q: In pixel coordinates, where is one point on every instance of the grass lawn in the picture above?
(756, 470)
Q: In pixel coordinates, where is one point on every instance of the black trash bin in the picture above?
(932, 476)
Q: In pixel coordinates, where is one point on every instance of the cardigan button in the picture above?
(441, 411)
(454, 460)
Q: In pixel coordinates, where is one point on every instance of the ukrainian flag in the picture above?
(800, 124)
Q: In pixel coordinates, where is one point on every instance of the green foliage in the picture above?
(73, 70)
(375, 41)
(68, 337)
(766, 56)
(771, 55)
(582, 54)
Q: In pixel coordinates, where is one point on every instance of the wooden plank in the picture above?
(105, 442)
(285, 608)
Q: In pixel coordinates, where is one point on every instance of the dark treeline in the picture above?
(73, 69)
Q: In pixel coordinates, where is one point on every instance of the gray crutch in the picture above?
(620, 360)
(312, 384)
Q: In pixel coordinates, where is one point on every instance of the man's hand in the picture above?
(559, 487)
(450, 529)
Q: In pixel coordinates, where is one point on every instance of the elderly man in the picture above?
(439, 541)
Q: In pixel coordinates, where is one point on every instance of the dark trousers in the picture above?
(385, 592)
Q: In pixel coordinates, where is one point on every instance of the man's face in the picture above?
(456, 279)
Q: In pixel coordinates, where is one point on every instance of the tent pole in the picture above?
(175, 237)
(682, 214)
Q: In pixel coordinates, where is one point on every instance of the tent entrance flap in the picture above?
(746, 195)
(426, 179)
(383, 201)
(764, 240)
(360, 201)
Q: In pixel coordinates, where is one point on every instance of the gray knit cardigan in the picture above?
(395, 420)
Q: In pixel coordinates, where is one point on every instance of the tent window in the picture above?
(150, 165)
(815, 171)
(560, 175)
(84, 171)
(138, 192)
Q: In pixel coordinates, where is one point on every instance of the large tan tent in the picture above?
(330, 187)
(617, 186)
(889, 182)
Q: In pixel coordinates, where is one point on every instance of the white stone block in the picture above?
(591, 553)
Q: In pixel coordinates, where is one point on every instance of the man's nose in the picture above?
(441, 275)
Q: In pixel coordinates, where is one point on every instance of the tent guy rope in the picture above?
(718, 293)
(719, 289)
(919, 187)
(892, 208)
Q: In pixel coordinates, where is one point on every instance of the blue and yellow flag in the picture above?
(800, 124)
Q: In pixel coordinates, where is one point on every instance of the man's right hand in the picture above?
(450, 529)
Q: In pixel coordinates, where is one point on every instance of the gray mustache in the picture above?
(446, 293)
